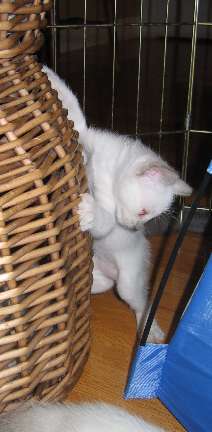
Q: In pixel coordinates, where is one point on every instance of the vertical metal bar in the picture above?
(164, 75)
(114, 64)
(139, 68)
(84, 53)
(189, 99)
(54, 37)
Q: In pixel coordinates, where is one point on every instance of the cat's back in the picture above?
(84, 417)
(34, 418)
(115, 150)
(108, 418)
(105, 145)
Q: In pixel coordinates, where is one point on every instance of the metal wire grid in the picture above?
(187, 131)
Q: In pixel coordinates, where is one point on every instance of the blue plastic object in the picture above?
(146, 372)
(180, 374)
(209, 169)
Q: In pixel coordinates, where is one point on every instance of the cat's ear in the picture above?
(168, 177)
(159, 173)
(182, 188)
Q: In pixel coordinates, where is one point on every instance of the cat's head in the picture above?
(145, 192)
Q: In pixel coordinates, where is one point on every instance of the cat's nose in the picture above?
(143, 212)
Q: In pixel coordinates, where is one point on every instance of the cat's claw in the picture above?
(86, 210)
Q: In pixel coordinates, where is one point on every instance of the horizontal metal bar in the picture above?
(158, 133)
(135, 24)
(109, 25)
(198, 208)
(206, 132)
(205, 24)
(175, 132)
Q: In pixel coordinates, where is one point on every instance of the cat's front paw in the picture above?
(86, 211)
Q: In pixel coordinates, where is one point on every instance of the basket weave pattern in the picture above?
(45, 261)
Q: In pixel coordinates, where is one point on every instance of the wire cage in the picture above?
(141, 68)
(45, 260)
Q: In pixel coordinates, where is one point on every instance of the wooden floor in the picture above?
(113, 332)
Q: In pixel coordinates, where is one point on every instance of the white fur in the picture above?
(85, 417)
(126, 179)
(68, 99)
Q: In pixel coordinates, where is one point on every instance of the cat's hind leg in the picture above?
(133, 291)
(101, 282)
(132, 287)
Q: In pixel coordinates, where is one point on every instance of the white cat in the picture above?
(85, 417)
(129, 184)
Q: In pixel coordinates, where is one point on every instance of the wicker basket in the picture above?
(45, 261)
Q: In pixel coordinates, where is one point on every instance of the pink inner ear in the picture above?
(153, 172)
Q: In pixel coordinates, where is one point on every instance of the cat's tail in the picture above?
(89, 417)
(69, 101)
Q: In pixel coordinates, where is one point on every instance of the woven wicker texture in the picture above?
(45, 261)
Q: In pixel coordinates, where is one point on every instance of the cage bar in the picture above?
(114, 24)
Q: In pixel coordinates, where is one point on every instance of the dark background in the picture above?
(65, 50)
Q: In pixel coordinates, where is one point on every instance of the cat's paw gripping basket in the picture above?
(45, 260)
